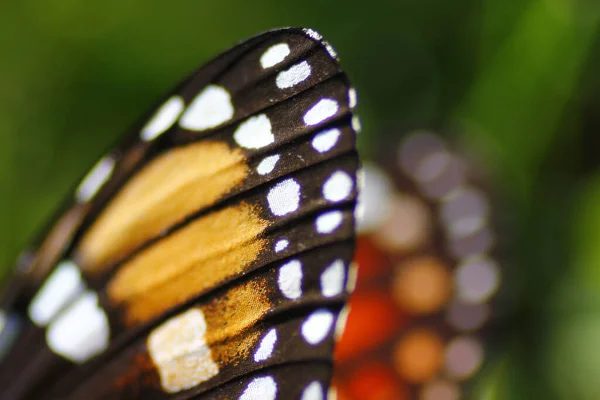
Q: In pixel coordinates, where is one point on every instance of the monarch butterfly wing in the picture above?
(214, 244)
(429, 274)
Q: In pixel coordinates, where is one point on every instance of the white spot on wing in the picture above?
(332, 279)
(254, 133)
(267, 344)
(323, 109)
(281, 245)
(352, 98)
(314, 391)
(356, 125)
(338, 186)
(2, 321)
(293, 76)
(211, 107)
(284, 197)
(81, 331)
(290, 279)
(317, 326)
(263, 388)
(163, 119)
(178, 349)
(326, 140)
(61, 286)
(329, 221)
(274, 55)
(340, 324)
(267, 164)
(330, 49)
(313, 34)
(94, 180)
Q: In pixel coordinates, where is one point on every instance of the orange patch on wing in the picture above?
(192, 260)
(166, 191)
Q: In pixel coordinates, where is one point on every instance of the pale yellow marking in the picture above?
(194, 346)
(178, 349)
(196, 258)
(166, 191)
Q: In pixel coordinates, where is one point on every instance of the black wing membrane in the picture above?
(208, 255)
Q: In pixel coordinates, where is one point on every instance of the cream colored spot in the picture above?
(211, 108)
(163, 119)
(178, 349)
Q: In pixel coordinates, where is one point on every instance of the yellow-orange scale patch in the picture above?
(193, 259)
(193, 346)
(173, 186)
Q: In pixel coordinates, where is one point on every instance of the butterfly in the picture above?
(207, 255)
(428, 278)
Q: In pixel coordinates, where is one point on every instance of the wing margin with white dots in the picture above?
(291, 127)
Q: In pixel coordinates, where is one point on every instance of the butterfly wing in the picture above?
(207, 250)
(429, 275)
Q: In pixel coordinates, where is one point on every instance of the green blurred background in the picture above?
(520, 77)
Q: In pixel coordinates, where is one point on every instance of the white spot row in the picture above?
(77, 326)
(284, 197)
(61, 286)
(265, 388)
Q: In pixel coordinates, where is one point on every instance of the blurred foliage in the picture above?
(519, 77)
